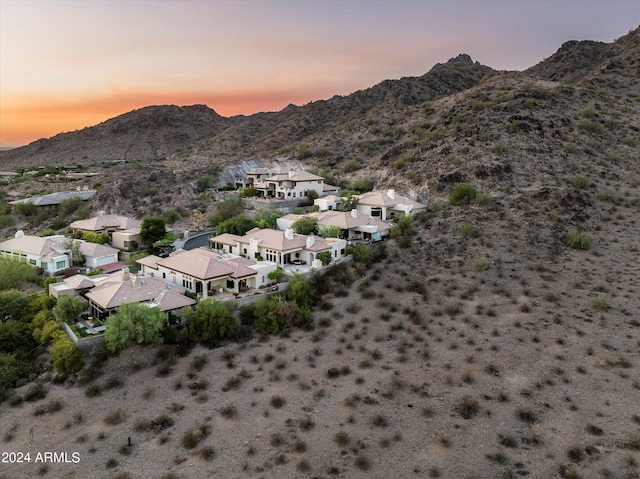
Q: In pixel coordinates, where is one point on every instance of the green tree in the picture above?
(69, 308)
(204, 183)
(14, 274)
(66, 358)
(134, 323)
(305, 225)
(13, 304)
(225, 210)
(362, 254)
(349, 203)
(325, 257)
(402, 228)
(274, 275)
(299, 291)
(267, 217)
(70, 205)
(25, 209)
(152, 229)
(330, 232)
(238, 225)
(249, 192)
(265, 320)
(11, 369)
(363, 185)
(212, 320)
(97, 238)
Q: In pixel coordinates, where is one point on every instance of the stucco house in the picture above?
(75, 285)
(52, 201)
(280, 247)
(44, 252)
(388, 205)
(53, 253)
(124, 287)
(123, 231)
(206, 272)
(353, 224)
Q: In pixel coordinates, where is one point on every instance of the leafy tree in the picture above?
(76, 255)
(274, 275)
(346, 192)
(14, 274)
(362, 254)
(204, 183)
(66, 358)
(171, 216)
(225, 210)
(134, 323)
(212, 320)
(363, 185)
(249, 192)
(299, 291)
(402, 228)
(153, 229)
(305, 225)
(16, 336)
(325, 257)
(69, 308)
(13, 303)
(25, 209)
(330, 232)
(47, 232)
(349, 203)
(267, 218)
(70, 205)
(6, 221)
(238, 225)
(98, 238)
(11, 369)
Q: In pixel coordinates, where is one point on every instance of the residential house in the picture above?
(52, 201)
(388, 205)
(123, 287)
(280, 247)
(206, 272)
(353, 224)
(74, 285)
(54, 253)
(328, 203)
(47, 253)
(123, 231)
(288, 185)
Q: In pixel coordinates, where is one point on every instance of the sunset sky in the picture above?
(65, 65)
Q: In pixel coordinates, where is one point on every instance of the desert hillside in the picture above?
(497, 338)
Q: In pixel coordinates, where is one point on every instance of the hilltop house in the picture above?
(280, 247)
(206, 273)
(353, 224)
(122, 287)
(388, 205)
(54, 253)
(52, 201)
(123, 231)
(281, 184)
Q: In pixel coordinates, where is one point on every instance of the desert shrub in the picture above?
(193, 437)
(93, 390)
(229, 411)
(52, 406)
(526, 415)
(579, 181)
(577, 240)
(599, 303)
(114, 417)
(606, 194)
(499, 148)
(277, 402)
(571, 148)
(468, 407)
(362, 462)
(462, 193)
(467, 229)
(341, 438)
(480, 264)
(36, 392)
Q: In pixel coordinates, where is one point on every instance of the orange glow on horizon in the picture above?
(31, 118)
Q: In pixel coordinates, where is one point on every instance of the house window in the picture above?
(32, 261)
(43, 265)
(60, 264)
(164, 275)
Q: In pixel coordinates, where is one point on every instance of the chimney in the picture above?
(288, 234)
(292, 172)
(125, 274)
(101, 213)
(135, 281)
(310, 240)
(354, 213)
(391, 194)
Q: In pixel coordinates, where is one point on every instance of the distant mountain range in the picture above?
(458, 115)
